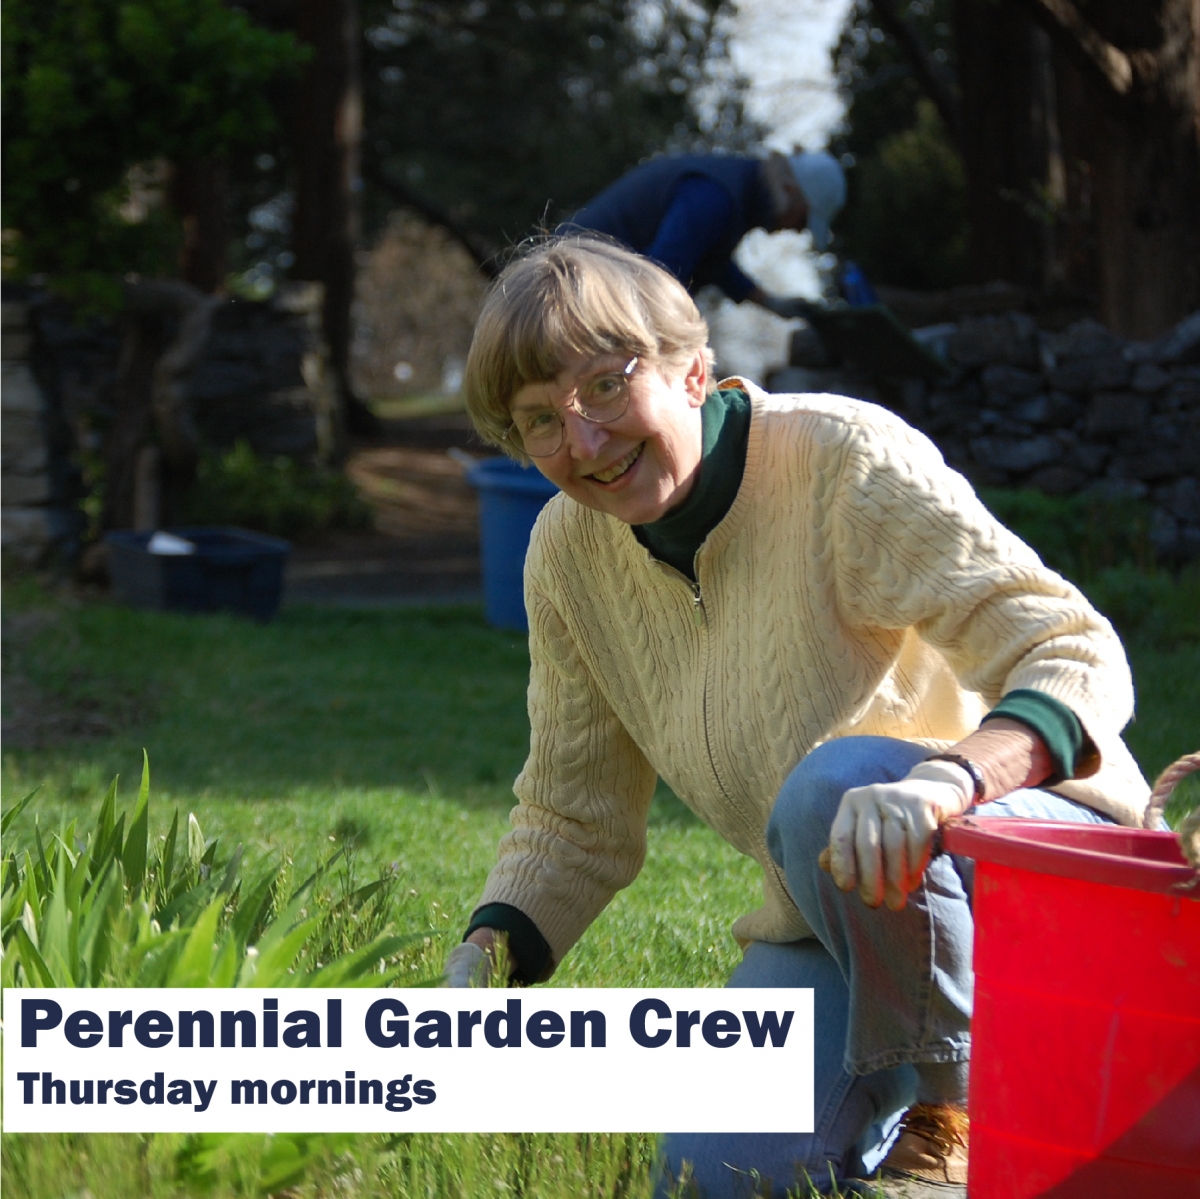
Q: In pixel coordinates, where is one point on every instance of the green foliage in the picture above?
(1079, 535)
(1184, 799)
(277, 495)
(905, 220)
(907, 225)
(507, 113)
(366, 1166)
(1103, 544)
(269, 1163)
(1157, 607)
(91, 89)
(112, 909)
(875, 76)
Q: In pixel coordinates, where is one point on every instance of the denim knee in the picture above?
(809, 798)
(807, 803)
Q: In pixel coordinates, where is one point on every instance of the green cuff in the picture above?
(528, 950)
(1054, 722)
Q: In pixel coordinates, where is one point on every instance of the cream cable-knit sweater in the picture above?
(856, 586)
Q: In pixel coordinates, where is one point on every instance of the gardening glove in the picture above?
(467, 966)
(881, 836)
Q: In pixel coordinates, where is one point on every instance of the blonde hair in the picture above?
(569, 296)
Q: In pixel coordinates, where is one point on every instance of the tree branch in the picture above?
(1061, 17)
(168, 389)
(483, 253)
(928, 71)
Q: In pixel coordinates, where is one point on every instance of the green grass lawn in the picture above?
(397, 733)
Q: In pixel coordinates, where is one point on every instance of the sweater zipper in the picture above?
(700, 616)
(698, 613)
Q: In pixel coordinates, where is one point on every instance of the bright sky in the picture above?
(783, 48)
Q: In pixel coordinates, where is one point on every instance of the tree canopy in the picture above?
(905, 221)
(506, 113)
(1050, 143)
(93, 88)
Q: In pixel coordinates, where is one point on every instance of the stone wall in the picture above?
(1063, 412)
(264, 376)
(39, 523)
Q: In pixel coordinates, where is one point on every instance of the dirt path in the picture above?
(921, 1190)
(424, 547)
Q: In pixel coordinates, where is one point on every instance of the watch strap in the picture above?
(970, 767)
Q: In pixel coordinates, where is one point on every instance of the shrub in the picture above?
(1081, 535)
(97, 94)
(1102, 543)
(913, 181)
(273, 495)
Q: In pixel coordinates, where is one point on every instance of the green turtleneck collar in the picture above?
(675, 538)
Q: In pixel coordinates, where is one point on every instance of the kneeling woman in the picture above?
(792, 610)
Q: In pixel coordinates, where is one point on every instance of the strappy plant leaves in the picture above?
(10, 814)
(133, 857)
(117, 908)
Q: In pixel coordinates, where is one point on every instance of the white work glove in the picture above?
(467, 966)
(881, 836)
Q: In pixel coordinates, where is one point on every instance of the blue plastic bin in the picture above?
(232, 570)
(510, 498)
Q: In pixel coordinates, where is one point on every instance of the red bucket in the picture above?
(1085, 1060)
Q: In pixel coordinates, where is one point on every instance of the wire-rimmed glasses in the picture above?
(601, 399)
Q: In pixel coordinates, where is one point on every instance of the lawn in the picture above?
(395, 735)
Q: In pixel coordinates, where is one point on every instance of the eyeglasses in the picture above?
(601, 399)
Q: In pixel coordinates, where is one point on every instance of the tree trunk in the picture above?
(1003, 143)
(166, 329)
(1146, 168)
(326, 131)
(200, 194)
(1128, 94)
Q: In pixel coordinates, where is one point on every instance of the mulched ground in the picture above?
(918, 1190)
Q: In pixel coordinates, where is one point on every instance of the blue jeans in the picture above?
(892, 989)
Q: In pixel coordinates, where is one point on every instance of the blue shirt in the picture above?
(687, 212)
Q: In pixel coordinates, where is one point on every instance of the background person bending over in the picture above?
(688, 213)
(794, 612)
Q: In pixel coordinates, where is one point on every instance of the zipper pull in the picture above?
(697, 604)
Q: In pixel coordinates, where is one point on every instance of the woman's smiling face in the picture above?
(641, 465)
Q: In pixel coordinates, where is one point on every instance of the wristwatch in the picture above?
(970, 767)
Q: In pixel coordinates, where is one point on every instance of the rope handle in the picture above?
(1167, 782)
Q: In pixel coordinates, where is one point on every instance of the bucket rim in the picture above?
(1096, 853)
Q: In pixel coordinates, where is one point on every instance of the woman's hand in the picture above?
(882, 835)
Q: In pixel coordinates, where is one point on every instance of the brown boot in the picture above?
(932, 1146)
